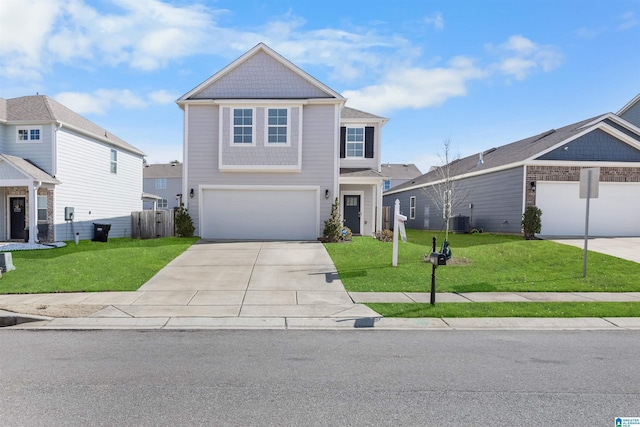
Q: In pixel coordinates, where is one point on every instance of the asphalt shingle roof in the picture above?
(29, 168)
(352, 113)
(43, 108)
(501, 156)
(400, 171)
(162, 171)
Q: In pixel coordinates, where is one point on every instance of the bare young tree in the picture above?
(444, 193)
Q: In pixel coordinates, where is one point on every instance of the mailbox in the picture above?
(437, 258)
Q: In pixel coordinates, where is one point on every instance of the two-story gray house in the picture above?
(164, 181)
(61, 173)
(496, 185)
(268, 148)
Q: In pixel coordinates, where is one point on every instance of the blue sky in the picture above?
(480, 73)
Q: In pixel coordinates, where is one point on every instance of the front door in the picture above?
(17, 217)
(352, 213)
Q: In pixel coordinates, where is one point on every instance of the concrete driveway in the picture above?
(621, 247)
(246, 279)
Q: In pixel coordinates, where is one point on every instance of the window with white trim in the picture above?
(161, 183)
(163, 204)
(243, 126)
(387, 185)
(277, 121)
(42, 208)
(29, 133)
(355, 142)
(412, 207)
(114, 161)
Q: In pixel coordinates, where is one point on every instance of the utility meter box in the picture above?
(68, 214)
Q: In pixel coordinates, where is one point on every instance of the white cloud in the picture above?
(628, 21)
(162, 97)
(416, 87)
(100, 101)
(520, 57)
(436, 20)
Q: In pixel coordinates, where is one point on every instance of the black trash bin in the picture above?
(101, 232)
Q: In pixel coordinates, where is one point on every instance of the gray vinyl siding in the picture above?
(632, 115)
(174, 187)
(597, 145)
(3, 208)
(496, 197)
(4, 131)
(318, 157)
(96, 194)
(261, 77)
(39, 153)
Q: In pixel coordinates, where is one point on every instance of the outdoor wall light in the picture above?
(326, 193)
(533, 186)
(191, 193)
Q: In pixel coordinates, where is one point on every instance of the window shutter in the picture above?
(368, 142)
(343, 142)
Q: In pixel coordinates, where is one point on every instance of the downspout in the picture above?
(33, 212)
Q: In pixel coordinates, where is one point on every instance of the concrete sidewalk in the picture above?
(272, 285)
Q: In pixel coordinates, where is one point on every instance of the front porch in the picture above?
(361, 200)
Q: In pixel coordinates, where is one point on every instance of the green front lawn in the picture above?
(510, 309)
(481, 263)
(117, 265)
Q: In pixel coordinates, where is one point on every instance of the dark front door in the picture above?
(352, 213)
(17, 217)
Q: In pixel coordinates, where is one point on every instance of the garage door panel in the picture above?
(258, 214)
(616, 212)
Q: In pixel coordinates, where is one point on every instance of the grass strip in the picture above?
(121, 264)
(509, 309)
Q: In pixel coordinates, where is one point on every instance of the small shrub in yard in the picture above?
(184, 223)
(384, 235)
(531, 222)
(333, 226)
(346, 234)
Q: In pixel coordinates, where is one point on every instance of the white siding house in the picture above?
(70, 163)
(263, 153)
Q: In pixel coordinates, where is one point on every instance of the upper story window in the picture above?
(355, 142)
(243, 126)
(161, 184)
(29, 133)
(114, 161)
(277, 126)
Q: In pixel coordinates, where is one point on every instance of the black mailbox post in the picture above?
(436, 259)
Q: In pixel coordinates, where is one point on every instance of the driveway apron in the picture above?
(246, 279)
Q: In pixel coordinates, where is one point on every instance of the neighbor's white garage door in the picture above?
(616, 212)
(266, 213)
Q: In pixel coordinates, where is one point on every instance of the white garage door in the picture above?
(616, 212)
(260, 213)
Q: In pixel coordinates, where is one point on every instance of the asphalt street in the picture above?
(251, 378)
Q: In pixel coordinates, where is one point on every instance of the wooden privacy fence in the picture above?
(386, 221)
(152, 224)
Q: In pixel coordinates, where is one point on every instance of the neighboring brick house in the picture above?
(164, 181)
(398, 173)
(268, 148)
(543, 170)
(52, 159)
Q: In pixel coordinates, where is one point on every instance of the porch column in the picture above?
(379, 204)
(33, 211)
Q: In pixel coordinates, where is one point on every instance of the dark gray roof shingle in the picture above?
(400, 171)
(169, 170)
(352, 113)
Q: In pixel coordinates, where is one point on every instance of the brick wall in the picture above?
(572, 173)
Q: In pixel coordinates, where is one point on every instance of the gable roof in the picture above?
(26, 167)
(519, 152)
(261, 48)
(400, 171)
(164, 170)
(630, 104)
(41, 108)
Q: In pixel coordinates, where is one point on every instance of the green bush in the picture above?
(531, 222)
(184, 223)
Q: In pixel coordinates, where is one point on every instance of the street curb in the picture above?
(8, 318)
